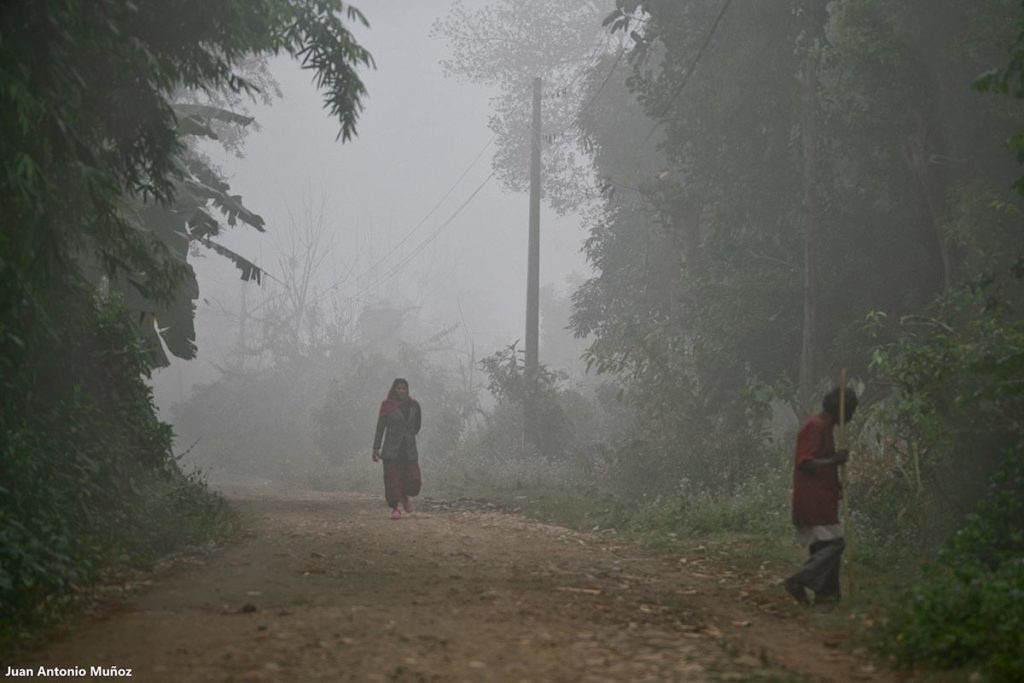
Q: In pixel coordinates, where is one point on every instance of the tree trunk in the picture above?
(918, 151)
(690, 230)
(813, 14)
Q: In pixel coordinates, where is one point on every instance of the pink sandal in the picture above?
(407, 505)
(395, 513)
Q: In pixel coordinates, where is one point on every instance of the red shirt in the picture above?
(815, 494)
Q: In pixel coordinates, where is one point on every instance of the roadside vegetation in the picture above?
(784, 189)
(787, 189)
(104, 196)
(773, 191)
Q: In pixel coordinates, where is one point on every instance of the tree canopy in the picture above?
(101, 195)
(90, 87)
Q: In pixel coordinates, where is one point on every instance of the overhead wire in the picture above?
(689, 71)
(593, 59)
(679, 90)
(415, 228)
(421, 246)
(600, 89)
(599, 44)
(391, 273)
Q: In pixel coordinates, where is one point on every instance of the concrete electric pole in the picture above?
(533, 278)
(533, 260)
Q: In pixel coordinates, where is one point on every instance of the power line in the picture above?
(593, 98)
(391, 273)
(430, 213)
(421, 246)
(689, 72)
(600, 89)
(410, 233)
(678, 91)
(594, 58)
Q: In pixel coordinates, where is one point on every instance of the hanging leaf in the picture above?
(193, 125)
(250, 271)
(208, 112)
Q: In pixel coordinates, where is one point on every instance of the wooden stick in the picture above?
(843, 479)
(842, 409)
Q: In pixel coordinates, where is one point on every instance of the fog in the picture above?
(780, 287)
(724, 205)
(399, 225)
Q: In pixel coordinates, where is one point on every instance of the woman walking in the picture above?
(398, 424)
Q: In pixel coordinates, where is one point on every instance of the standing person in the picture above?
(816, 492)
(398, 424)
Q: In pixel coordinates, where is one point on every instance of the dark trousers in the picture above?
(820, 572)
(401, 480)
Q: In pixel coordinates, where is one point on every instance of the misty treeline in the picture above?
(297, 394)
(784, 189)
(772, 191)
(104, 198)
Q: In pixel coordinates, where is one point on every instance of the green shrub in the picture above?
(89, 476)
(970, 616)
(172, 513)
(971, 611)
(957, 409)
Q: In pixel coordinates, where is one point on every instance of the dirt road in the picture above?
(323, 587)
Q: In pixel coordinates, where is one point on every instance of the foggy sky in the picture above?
(417, 135)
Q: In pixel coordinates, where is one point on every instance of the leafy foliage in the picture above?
(88, 476)
(969, 612)
(94, 118)
(770, 176)
(507, 44)
(100, 195)
(178, 226)
(702, 256)
(956, 370)
(958, 402)
(1009, 80)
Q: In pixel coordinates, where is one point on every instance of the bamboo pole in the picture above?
(844, 480)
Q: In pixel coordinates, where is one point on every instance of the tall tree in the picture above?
(798, 192)
(507, 43)
(90, 89)
(100, 192)
(813, 16)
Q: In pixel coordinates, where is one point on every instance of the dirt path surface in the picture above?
(323, 587)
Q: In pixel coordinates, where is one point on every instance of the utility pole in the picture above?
(533, 260)
(533, 275)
